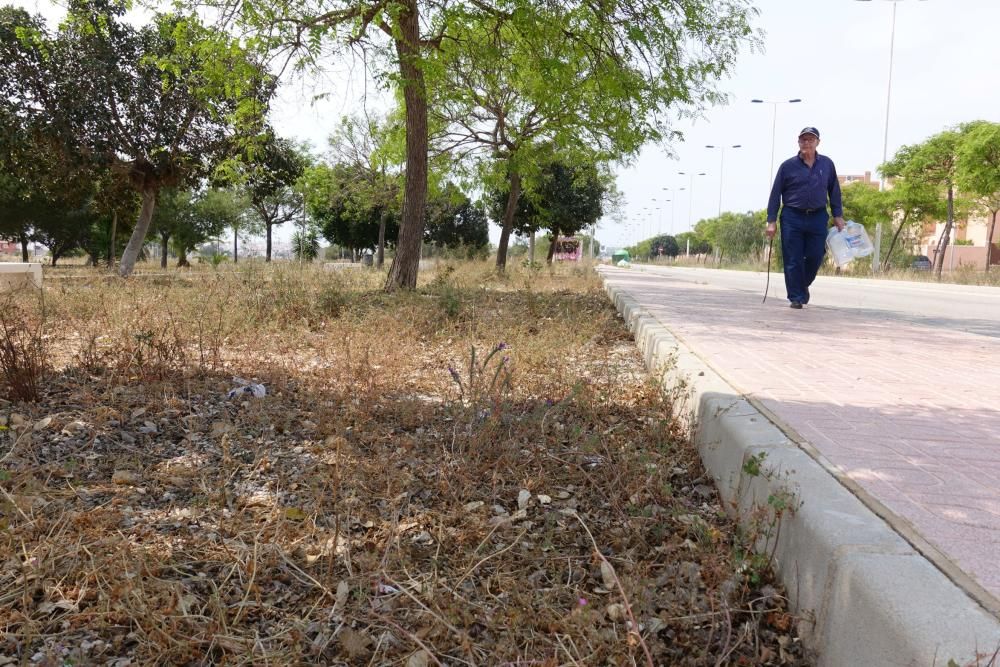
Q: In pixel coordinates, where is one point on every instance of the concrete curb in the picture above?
(864, 595)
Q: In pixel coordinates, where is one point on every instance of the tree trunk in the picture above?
(380, 256)
(267, 255)
(531, 249)
(945, 235)
(508, 220)
(552, 249)
(164, 245)
(989, 241)
(23, 238)
(134, 246)
(182, 257)
(406, 263)
(236, 245)
(114, 232)
(892, 245)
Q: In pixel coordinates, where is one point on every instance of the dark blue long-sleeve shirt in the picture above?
(799, 186)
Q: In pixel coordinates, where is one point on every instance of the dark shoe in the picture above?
(796, 305)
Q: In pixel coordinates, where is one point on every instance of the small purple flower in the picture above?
(454, 374)
(506, 360)
(549, 401)
(502, 346)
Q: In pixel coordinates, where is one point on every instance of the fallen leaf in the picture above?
(355, 643)
(294, 514)
(608, 575)
(418, 659)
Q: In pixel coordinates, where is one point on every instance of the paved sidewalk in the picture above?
(907, 412)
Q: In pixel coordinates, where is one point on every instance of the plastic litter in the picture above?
(848, 244)
(247, 388)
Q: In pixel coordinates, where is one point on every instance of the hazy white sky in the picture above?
(833, 54)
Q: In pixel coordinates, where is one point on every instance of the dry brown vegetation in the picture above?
(478, 472)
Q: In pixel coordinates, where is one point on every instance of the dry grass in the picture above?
(475, 473)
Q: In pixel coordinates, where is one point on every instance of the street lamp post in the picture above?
(691, 194)
(722, 162)
(774, 122)
(888, 90)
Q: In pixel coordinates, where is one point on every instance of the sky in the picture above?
(831, 54)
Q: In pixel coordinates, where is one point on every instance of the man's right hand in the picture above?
(771, 229)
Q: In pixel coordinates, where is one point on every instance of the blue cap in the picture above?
(809, 130)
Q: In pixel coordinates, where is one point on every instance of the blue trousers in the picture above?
(803, 245)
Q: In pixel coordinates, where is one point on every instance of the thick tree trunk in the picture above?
(945, 235)
(989, 241)
(552, 249)
(406, 263)
(134, 246)
(508, 220)
(236, 245)
(164, 246)
(182, 258)
(531, 249)
(111, 245)
(267, 255)
(23, 238)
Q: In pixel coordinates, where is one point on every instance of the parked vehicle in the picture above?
(921, 263)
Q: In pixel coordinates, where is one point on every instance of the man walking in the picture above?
(802, 186)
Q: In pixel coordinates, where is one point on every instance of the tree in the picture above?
(933, 164)
(348, 207)
(363, 145)
(160, 104)
(570, 198)
(510, 84)
(270, 174)
(453, 221)
(979, 172)
(651, 41)
(912, 199)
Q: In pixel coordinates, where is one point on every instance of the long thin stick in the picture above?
(767, 285)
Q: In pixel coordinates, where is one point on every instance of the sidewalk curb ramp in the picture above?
(864, 596)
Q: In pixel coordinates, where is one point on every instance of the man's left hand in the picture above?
(839, 222)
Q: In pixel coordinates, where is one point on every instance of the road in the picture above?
(969, 308)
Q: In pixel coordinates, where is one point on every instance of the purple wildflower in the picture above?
(454, 374)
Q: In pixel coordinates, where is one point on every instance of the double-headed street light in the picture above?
(722, 162)
(888, 91)
(690, 194)
(774, 121)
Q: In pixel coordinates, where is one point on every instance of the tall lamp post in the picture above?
(888, 90)
(774, 121)
(722, 162)
(691, 194)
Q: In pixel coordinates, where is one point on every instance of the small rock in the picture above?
(523, 497)
(73, 427)
(17, 420)
(42, 424)
(473, 506)
(125, 477)
(616, 612)
(544, 499)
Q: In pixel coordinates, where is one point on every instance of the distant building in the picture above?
(10, 248)
(847, 179)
